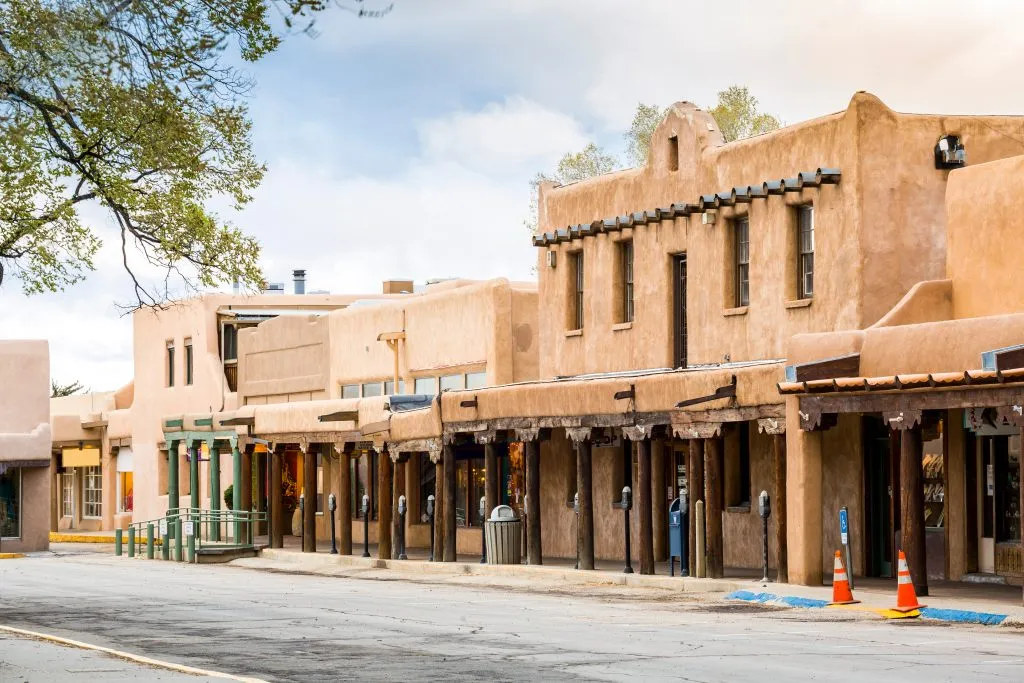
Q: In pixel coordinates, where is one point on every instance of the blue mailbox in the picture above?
(677, 541)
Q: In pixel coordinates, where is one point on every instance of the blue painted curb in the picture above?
(958, 616)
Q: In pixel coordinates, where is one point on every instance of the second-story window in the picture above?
(350, 391)
(170, 363)
(805, 251)
(741, 234)
(626, 254)
(577, 299)
(188, 361)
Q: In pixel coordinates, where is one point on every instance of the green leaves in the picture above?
(737, 116)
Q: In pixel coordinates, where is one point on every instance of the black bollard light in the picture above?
(332, 505)
(401, 529)
(430, 518)
(627, 505)
(366, 525)
(576, 510)
(483, 534)
(764, 505)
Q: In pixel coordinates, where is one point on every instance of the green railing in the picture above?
(188, 530)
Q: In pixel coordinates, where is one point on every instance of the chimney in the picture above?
(299, 278)
(236, 286)
(398, 286)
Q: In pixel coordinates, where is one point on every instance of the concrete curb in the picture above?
(181, 668)
(11, 556)
(957, 616)
(316, 561)
(57, 537)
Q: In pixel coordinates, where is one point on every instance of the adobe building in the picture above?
(926, 403)
(24, 446)
(668, 296)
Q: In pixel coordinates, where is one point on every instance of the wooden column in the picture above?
(439, 510)
(644, 506)
(396, 519)
(276, 460)
(173, 490)
(695, 489)
(534, 552)
(384, 483)
(584, 488)
(247, 493)
(344, 493)
(912, 507)
(491, 479)
(661, 455)
(450, 554)
(714, 497)
(309, 502)
(779, 507)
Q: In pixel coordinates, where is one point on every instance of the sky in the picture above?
(403, 147)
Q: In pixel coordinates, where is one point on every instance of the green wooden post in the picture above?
(193, 473)
(177, 539)
(173, 491)
(165, 545)
(215, 492)
(149, 541)
(192, 543)
(236, 490)
(117, 542)
(131, 541)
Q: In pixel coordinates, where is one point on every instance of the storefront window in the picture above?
(934, 485)
(1008, 494)
(469, 487)
(92, 492)
(364, 482)
(428, 474)
(67, 498)
(126, 498)
(10, 503)
(319, 483)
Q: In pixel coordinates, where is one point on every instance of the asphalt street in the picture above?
(285, 627)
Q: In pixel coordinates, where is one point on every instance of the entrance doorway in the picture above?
(679, 310)
(998, 498)
(878, 504)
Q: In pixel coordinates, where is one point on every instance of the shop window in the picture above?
(476, 380)
(428, 477)
(805, 251)
(425, 386)
(170, 364)
(320, 482)
(622, 472)
(737, 474)
(469, 488)
(389, 387)
(576, 273)
(741, 239)
(230, 342)
(372, 389)
(10, 503)
(188, 361)
(67, 494)
(125, 492)
(453, 382)
(350, 391)
(1007, 490)
(932, 471)
(92, 492)
(364, 482)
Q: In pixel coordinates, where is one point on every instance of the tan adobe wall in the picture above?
(286, 356)
(986, 226)
(879, 232)
(25, 365)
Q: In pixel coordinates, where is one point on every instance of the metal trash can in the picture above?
(503, 533)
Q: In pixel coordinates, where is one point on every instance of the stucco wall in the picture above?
(842, 483)
(25, 413)
(35, 512)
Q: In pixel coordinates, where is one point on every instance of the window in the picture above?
(389, 387)
(67, 494)
(364, 482)
(453, 382)
(125, 492)
(737, 475)
(673, 153)
(805, 256)
(188, 361)
(170, 363)
(741, 232)
(426, 386)
(577, 298)
(350, 391)
(92, 492)
(371, 389)
(428, 475)
(10, 503)
(626, 257)
(476, 380)
(230, 342)
(469, 488)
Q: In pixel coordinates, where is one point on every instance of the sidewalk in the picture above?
(949, 601)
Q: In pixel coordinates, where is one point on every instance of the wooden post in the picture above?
(276, 532)
(713, 500)
(450, 554)
(246, 488)
(173, 491)
(644, 506)
(309, 502)
(584, 488)
(695, 487)
(491, 480)
(344, 493)
(534, 551)
(384, 477)
(439, 511)
(779, 508)
(661, 455)
(912, 507)
(396, 519)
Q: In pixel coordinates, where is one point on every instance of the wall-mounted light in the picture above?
(707, 218)
(552, 258)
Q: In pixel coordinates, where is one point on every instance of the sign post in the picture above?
(844, 537)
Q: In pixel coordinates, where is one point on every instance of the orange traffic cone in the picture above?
(906, 597)
(841, 593)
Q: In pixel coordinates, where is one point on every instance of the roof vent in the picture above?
(274, 288)
(299, 279)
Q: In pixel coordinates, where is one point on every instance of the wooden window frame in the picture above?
(626, 256)
(578, 290)
(804, 251)
(741, 261)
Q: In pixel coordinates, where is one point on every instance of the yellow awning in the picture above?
(80, 457)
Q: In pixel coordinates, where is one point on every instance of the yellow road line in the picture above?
(129, 656)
